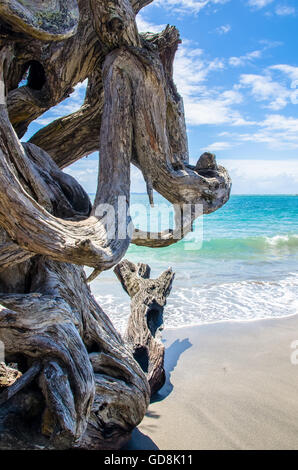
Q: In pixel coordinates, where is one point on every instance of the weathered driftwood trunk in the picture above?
(82, 385)
(145, 324)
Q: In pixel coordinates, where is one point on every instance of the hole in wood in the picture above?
(154, 319)
(34, 75)
(142, 357)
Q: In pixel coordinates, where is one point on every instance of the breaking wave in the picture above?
(242, 301)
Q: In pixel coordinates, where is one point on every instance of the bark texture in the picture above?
(74, 381)
(52, 20)
(145, 325)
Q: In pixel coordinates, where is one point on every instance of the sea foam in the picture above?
(242, 301)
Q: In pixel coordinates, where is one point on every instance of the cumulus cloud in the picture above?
(191, 69)
(250, 57)
(147, 26)
(207, 105)
(289, 70)
(264, 88)
(280, 10)
(204, 104)
(276, 86)
(215, 108)
(278, 132)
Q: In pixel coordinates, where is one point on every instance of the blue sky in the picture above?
(237, 70)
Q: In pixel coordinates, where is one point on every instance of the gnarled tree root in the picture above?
(95, 388)
(94, 392)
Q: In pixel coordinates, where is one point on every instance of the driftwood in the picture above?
(80, 384)
(8, 376)
(18, 382)
(145, 324)
(59, 325)
(52, 20)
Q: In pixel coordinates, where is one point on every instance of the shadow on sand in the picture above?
(142, 441)
(172, 357)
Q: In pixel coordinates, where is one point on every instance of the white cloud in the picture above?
(258, 4)
(217, 146)
(285, 10)
(264, 88)
(249, 57)
(190, 70)
(263, 176)
(215, 108)
(288, 126)
(189, 6)
(289, 70)
(278, 132)
(244, 59)
(68, 106)
(85, 171)
(146, 26)
(224, 29)
(280, 10)
(204, 105)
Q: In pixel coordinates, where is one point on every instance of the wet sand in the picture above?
(229, 386)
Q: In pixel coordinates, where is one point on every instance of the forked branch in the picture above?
(145, 324)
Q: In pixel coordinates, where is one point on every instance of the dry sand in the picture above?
(229, 386)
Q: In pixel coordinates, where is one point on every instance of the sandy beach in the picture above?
(229, 386)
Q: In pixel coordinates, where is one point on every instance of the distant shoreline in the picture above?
(237, 194)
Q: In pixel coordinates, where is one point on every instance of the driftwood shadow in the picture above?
(172, 356)
(140, 441)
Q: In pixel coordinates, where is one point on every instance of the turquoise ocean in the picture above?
(246, 267)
